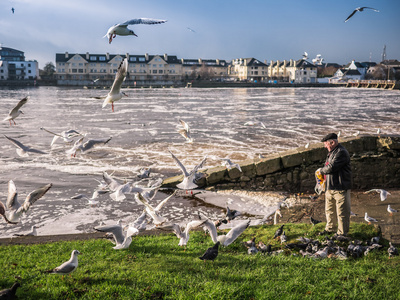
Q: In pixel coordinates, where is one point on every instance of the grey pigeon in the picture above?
(392, 250)
(278, 232)
(10, 293)
(211, 253)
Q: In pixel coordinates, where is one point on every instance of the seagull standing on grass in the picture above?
(369, 219)
(122, 28)
(391, 210)
(13, 210)
(15, 112)
(360, 9)
(68, 266)
(115, 93)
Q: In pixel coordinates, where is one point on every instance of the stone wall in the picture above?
(375, 163)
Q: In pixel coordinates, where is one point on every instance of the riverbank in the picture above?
(300, 210)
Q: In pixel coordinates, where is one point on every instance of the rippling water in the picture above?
(144, 127)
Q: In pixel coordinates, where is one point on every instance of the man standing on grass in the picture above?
(338, 181)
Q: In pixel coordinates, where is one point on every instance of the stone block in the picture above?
(268, 165)
(234, 173)
(248, 168)
(354, 145)
(172, 181)
(292, 158)
(316, 154)
(215, 175)
(389, 142)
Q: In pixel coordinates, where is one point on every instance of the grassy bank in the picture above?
(155, 267)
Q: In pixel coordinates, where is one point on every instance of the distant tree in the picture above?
(49, 69)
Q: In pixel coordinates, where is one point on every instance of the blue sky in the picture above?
(264, 29)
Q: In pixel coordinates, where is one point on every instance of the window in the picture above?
(102, 58)
(132, 58)
(154, 71)
(92, 57)
(142, 59)
(160, 71)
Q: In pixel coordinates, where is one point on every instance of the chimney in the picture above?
(87, 55)
(127, 55)
(200, 61)
(146, 56)
(107, 56)
(291, 62)
(66, 55)
(165, 57)
(217, 61)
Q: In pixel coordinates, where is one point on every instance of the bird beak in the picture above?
(134, 34)
(125, 94)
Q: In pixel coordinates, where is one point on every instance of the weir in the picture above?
(375, 161)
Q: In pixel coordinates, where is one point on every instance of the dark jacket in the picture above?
(337, 169)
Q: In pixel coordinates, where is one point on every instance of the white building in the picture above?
(13, 65)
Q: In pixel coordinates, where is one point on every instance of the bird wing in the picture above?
(211, 229)
(56, 134)
(162, 203)
(234, 233)
(374, 9)
(185, 125)
(18, 106)
(194, 224)
(35, 195)
(352, 14)
(91, 143)
(12, 201)
(200, 165)
(179, 164)
(116, 231)
(146, 21)
(111, 182)
(142, 200)
(2, 209)
(17, 143)
(119, 77)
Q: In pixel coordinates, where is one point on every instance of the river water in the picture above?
(235, 123)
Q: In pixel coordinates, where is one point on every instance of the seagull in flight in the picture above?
(153, 212)
(383, 193)
(89, 144)
(230, 237)
(229, 164)
(13, 210)
(360, 9)
(122, 240)
(15, 112)
(66, 135)
(188, 177)
(115, 93)
(122, 28)
(23, 150)
(185, 131)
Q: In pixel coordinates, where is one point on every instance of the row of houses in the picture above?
(162, 68)
(87, 68)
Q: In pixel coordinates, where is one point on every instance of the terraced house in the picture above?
(86, 69)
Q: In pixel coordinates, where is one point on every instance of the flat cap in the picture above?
(330, 136)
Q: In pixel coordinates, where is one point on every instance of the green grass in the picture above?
(155, 267)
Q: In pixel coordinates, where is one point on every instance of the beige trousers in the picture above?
(337, 202)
